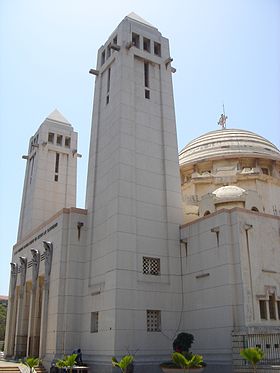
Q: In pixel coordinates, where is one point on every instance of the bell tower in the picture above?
(133, 197)
(50, 175)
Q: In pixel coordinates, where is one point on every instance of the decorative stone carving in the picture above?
(23, 268)
(13, 279)
(35, 265)
(48, 246)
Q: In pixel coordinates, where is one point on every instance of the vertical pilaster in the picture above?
(33, 303)
(45, 298)
(20, 335)
(12, 309)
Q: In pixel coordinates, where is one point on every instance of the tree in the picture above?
(3, 316)
(183, 342)
(253, 355)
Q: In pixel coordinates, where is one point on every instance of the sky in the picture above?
(225, 52)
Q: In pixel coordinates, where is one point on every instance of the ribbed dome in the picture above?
(228, 143)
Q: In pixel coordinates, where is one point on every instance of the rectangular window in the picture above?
(157, 49)
(151, 266)
(115, 40)
(67, 142)
(56, 169)
(146, 74)
(108, 80)
(94, 322)
(108, 85)
(271, 306)
(136, 40)
(153, 321)
(147, 93)
(147, 44)
(31, 167)
(278, 306)
(108, 51)
(51, 137)
(59, 140)
(263, 312)
(55, 177)
(102, 58)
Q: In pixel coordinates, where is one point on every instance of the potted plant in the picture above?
(125, 364)
(31, 363)
(181, 364)
(253, 355)
(67, 363)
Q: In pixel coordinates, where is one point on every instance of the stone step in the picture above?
(40, 370)
(9, 369)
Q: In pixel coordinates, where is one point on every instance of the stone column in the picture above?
(12, 309)
(32, 309)
(45, 302)
(20, 336)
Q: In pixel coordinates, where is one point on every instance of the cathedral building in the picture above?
(165, 244)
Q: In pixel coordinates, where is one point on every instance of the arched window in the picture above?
(207, 213)
(254, 209)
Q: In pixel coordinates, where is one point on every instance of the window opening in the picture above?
(94, 322)
(55, 177)
(108, 85)
(67, 142)
(278, 306)
(265, 170)
(51, 137)
(263, 313)
(103, 58)
(271, 306)
(153, 321)
(254, 209)
(56, 162)
(146, 74)
(146, 80)
(151, 266)
(157, 49)
(108, 51)
(31, 165)
(147, 44)
(59, 140)
(136, 40)
(115, 40)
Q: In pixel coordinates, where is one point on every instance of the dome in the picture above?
(229, 143)
(228, 192)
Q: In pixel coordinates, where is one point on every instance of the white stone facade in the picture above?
(123, 275)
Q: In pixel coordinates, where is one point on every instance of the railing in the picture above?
(268, 339)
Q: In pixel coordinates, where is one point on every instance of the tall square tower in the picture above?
(133, 290)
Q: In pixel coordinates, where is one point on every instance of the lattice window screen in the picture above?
(153, 321)
(151, 266)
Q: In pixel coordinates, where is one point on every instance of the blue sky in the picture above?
(225, 51)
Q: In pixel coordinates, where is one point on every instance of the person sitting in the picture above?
(79, 359)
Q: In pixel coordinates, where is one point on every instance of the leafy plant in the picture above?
(125, 364)
(31, 363)
(195, 361)
(253, 355)
(68, 362)
(183, 342)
